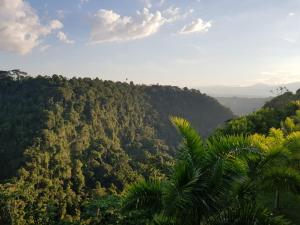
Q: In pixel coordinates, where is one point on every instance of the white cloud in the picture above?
(64, 38)
(197, 26)
(109, 26)
(20, 28)
(55, 25)
(172, 14)
(291, 14)
(44, 48)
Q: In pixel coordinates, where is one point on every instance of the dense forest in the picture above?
(70, 147)
(246, 173)
(84, 151)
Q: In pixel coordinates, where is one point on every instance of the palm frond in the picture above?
(192, 145)
(228, 160)
(144, 195)
(246, 215)
(234, 152)
(267, 160)
(161, 219)
(180, 190)
(230, 145)
(293, 144)
(282, 179)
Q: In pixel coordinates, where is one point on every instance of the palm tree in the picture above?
(276, 167)
(281, 180)
(246, 214)
(200, 182)
(214, 182)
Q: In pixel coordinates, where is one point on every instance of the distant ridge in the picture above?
(243, 105)
(259, 90)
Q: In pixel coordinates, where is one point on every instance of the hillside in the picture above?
(77, 137)
(282, 100)
(260, 121)
(40, 108)
(282, 113)
(242, 106)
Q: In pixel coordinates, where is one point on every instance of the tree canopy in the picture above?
(64, 141)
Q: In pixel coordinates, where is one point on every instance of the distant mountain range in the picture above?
(254, 91)
(243, 100)
(242, 105)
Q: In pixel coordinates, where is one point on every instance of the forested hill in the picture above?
(270, 115)
(282, 100)
(70, 150)
(93, 132)
(203, 111)
(63, 141)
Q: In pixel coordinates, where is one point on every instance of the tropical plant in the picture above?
(200, 181)
(248, 214)
(276, 168)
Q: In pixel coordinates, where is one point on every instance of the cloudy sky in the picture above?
(178, 42)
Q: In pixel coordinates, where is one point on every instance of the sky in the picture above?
(178, 42)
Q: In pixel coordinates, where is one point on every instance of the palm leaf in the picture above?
(192, 145)
(144, 195)
(282, 179)
(246, 215)
(162, 220)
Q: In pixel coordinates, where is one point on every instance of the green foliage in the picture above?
(282, 179)
(200, 182)
(104, 210)
(271, 115)
(281, 101)
(246, 215)
(276, 170)
(65, 142)
(204, 112)
(220, 180)
(145, 195)
(69, 148)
